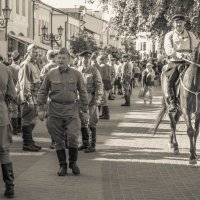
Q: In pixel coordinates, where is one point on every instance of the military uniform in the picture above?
(28, 86)
(62, 85)
(93, 82)
(7, 92)
(126, 81)
(177, 45)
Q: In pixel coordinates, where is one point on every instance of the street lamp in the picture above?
(4, 22)
(52, 37)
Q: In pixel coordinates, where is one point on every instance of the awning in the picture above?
(28, 41)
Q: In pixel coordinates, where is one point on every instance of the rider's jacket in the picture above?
(184, 42)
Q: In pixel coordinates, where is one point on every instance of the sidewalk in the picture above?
(129, 164)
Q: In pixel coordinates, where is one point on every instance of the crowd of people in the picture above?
(72, 92)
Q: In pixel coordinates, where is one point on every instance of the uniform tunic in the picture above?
(7, 89)
(127, 76)
(62, 86)
(93, 81)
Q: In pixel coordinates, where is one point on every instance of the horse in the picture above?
(189, 104)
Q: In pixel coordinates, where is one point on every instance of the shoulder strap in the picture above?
(190, 40)
(171, 40)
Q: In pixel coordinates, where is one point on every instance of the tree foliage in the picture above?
(133, 16)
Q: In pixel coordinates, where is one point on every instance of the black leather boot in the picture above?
(8, 177)
(61, 154)
(106, 113)
(127, 101)
(73, 156)
(91, 148)
(85, 139)
(172, 100)
(103, 112)
(28, 143)
(14, 122)
(37, 146)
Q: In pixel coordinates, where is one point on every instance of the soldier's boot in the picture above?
(27, 139)
(172, 100)
(19, 123)
(106, 113)
(73, 156)
(92, 146)
(14, 122)
(103, 112)
(8, 177)
(52, 145)
(37, 146)
(61, 154)
(85, 139)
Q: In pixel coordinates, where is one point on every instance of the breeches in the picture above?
(59, 128)
(148, 92)
(173, 78)
(105, 97)
(5, 142)
(14, 110)
(28, 114)
(127, 88)
(93, 116)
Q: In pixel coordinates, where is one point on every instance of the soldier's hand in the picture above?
(179, 55)
(41, 115)
(98, 102)
(84, 117)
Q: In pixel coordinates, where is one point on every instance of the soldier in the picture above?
(93, 81)
(126, 79)
(28, 86)
(7, 93)
(62, 85)
(15, 114)
(178, 44)
(108, 78)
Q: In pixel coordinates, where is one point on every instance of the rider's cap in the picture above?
(31, 47)
(178, 17)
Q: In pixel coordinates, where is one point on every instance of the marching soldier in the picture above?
(7, 95)
(93, 81)
(62, 85)
(126, 80)
(28, 86)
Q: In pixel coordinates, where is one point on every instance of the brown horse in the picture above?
(189, 104)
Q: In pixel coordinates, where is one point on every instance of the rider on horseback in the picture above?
(179, 45)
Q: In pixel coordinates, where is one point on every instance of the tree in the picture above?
(133, 16)
(83, 42)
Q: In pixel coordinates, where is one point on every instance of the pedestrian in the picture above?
(15, 113)
(51, 58)
(28, 86)
(7, 94)
(148, 76)
(178, 44)
(126, 79)
(62, 85)
(93, 82)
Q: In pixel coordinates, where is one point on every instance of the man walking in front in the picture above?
(62, 85)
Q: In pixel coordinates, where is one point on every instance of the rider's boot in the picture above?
(172, 100)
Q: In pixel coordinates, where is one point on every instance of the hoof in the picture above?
(193, 161)
(176, 152)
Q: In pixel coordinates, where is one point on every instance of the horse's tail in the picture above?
(159, 117)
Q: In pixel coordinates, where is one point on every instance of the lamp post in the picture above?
(52, 37)
(4, 21)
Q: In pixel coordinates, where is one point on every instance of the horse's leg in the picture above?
(174, 117)
(190, 133)
(197, 121)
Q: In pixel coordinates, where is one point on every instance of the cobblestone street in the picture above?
(129, 163)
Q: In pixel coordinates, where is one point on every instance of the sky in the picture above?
(70, 4)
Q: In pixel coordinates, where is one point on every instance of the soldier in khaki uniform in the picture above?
(62, 85)
(126, 79)
(93, 81)
(7, 95)
(15, 109)
(28, 86)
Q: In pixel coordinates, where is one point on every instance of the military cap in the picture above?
(51, 53)
(178, 17)
(102, 57)
(149, 65)
(63, 51)
(15, 55)
(124, 55)
(31, 47)
(85, 53)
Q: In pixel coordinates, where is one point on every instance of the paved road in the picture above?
(129, 164)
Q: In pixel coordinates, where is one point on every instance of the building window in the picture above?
(23, 8)
(144, 46)
(17, 6)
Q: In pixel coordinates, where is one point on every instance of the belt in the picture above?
(184, 51)
(63, 103)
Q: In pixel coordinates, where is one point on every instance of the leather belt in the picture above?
(63, 103)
